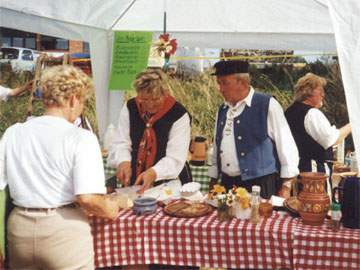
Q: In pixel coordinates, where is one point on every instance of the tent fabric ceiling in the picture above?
(255, 24)
(245, 16)
(93, 13)
(251, 24)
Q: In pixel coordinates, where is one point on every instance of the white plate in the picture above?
(130, 191)
(211, 202)
(197, 196)
(166, 191)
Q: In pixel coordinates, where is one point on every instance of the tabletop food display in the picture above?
(179, 225)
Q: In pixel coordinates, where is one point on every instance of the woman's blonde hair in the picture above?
(58, 83)
(151, 81)
(305, 86)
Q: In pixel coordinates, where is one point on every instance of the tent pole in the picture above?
(164, 16)
(122, 14)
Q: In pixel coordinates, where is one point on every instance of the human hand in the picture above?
(146, 178)
(105, 206)
(288, 186)
(18, 90)
(113, 206)
(123, 173)
(284, 192)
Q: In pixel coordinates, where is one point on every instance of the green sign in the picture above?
(130, 56)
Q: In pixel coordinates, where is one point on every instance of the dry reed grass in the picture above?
(198, 93)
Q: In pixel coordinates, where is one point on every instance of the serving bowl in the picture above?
(144, 206)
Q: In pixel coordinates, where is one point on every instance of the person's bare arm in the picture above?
(100, 205)
(18, 90)
(344, 132)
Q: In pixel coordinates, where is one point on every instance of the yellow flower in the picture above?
(241, 192)
(244, 202)
(218, 189)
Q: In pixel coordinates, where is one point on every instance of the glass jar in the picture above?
(335, 216)
(224, 212)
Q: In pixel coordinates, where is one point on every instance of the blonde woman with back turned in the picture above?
(55, 175)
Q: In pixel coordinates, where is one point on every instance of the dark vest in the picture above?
(308, 148)
(255, 150)
(162, 129)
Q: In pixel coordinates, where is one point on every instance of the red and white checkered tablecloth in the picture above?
(160, 239)
(318, 247)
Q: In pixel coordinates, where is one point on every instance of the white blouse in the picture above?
(170, 166)
(319, 128)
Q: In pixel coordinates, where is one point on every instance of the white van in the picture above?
(21, 59)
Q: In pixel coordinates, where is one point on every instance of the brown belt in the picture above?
(30, 209)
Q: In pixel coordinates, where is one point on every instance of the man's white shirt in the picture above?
(278, 131)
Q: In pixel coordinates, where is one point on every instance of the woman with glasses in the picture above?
(153, 136)
(312, 131)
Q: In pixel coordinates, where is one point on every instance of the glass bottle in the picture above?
(255, 202)
(335, 216)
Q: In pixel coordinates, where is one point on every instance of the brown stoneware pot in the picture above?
(198, 149)
(313, 198)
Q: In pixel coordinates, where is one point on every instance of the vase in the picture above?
(239, 212)
(314, 202)
(224, 212)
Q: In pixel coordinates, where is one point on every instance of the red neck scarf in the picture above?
(148, 145)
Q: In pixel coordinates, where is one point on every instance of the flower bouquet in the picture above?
(165, 47)
(224, 201)
(241, 207)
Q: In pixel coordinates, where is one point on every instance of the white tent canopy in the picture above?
(250, 24)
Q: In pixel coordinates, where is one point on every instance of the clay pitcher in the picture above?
(198, 149)
(314, 200)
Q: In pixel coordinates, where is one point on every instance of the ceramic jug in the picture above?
(313, 198)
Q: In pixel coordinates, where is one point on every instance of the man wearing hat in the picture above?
(253, 142)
